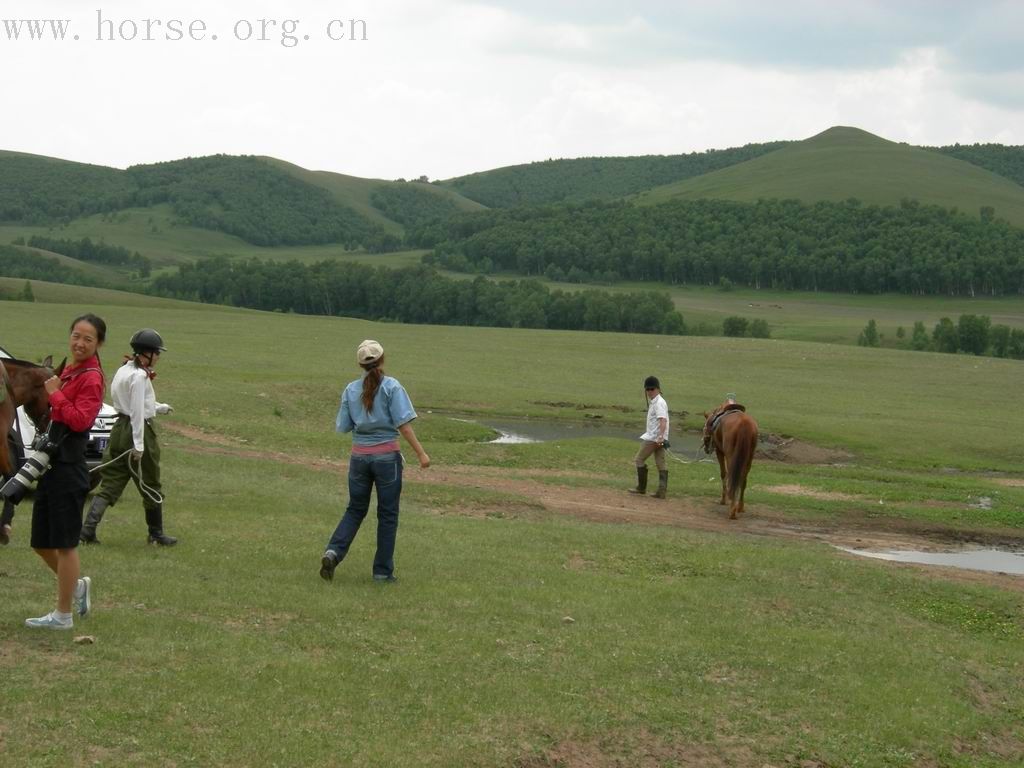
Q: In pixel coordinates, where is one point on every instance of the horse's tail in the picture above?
(743, 455)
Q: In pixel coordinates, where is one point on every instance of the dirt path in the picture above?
(601, 504)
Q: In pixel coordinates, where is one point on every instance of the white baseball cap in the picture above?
(369, 351)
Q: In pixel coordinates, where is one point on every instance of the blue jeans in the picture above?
(364, 471)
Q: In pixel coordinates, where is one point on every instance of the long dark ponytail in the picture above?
(371, 382)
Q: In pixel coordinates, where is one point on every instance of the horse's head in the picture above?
(706, 435)
(26, 385)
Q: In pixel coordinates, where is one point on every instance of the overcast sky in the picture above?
(448, 87)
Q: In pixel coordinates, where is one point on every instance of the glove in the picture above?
(163, 408)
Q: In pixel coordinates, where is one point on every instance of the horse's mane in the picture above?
(16, 361)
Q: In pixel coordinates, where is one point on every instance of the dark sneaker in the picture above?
(384, 577)
(327, 565)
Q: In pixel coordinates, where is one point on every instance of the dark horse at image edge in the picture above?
(21, 384)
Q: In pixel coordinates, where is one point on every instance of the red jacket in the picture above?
(78, 401)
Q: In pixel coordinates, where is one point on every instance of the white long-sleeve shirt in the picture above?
(132, 394)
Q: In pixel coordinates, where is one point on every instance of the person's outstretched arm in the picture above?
(410, 437)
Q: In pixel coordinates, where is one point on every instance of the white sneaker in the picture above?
(49, 621)
(83, 596)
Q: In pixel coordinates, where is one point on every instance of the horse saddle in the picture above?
(712, 421)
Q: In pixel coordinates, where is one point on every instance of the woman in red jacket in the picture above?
(75, 399)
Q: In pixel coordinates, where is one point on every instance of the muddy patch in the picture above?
(792, 451)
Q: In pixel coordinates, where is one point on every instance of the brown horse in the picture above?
(21, 384)
(8, 413)
(734, 435)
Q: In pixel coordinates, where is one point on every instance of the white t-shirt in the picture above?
(658, 409)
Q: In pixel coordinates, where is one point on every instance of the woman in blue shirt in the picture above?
(376, 409)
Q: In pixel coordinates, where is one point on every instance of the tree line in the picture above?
(971, 334)
(781, 244)
(416, 294)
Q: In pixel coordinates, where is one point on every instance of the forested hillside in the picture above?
(248, 198)
(595, 178)
(242, 196)
(412, 203)
(849, 246)
(43, 190)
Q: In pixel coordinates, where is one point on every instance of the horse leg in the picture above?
(721, 470)
(743, 485)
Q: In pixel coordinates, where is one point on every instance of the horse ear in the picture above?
(47, 361)
(60, 368)
(706, 414)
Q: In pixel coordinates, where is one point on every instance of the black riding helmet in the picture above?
(147, 340)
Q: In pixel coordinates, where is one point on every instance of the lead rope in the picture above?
(696, 457)
(155, 496)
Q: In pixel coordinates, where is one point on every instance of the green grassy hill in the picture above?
(595, 178)
(841, 163)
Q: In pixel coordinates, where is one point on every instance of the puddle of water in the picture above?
(992, 560)
(523, 431)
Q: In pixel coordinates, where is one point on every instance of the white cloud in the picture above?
(443, 87)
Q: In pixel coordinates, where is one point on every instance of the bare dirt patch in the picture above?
(811, 493)
(1010, 482)
(640, 750)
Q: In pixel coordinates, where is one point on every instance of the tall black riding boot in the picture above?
(155, 521)
(662, 484)
(96, 511)
(641, 481)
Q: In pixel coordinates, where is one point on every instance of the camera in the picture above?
(36, 463)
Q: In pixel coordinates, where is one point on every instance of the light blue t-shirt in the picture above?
(391, 409)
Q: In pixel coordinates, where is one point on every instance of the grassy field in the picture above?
(847, 162)
(517, 636)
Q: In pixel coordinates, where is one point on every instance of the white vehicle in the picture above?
(99, 435)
